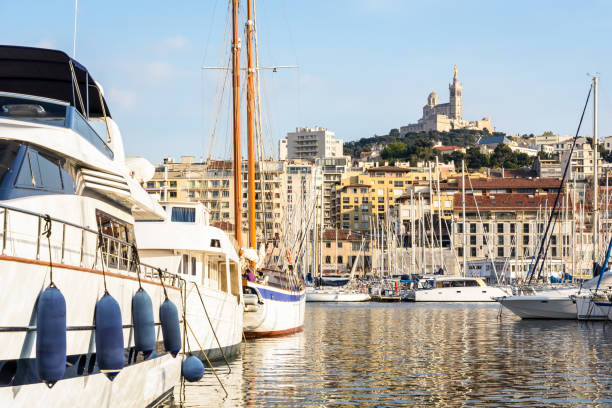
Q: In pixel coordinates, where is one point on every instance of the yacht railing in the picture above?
(37, 109)
(113, 253)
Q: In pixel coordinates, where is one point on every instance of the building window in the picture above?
(339, 259)
(460, 251)
(500, 228)
(193, 266)
(460, 228)
(526, 228)
(485, 227)
(525, 239)
(500, 240)
(172, 194)
(339, 244)
(328, 245)
(473, 251)
(472, 228)
(513, 228)
(472, 240)
(328, 259)
(500, 251)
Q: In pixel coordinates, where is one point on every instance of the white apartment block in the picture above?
(310, 143)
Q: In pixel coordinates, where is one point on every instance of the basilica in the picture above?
(446, 116)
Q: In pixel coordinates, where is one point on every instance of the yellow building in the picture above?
(361, 196)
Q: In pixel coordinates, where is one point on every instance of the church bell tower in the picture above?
(456, 105)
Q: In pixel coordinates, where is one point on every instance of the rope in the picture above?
(212, 328)
(47, 232)
(136, 261)
(159, 273)
(100, 245)
(206, 357)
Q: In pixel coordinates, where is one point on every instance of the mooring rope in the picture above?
(206, 357)
(212, 328)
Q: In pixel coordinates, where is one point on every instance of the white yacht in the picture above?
(557, 303)
(551, 303)
(205, 258)
(458, 289)
(67, 210)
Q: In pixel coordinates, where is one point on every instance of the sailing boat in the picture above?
(348, 290)
(274, 299)
(574, 302)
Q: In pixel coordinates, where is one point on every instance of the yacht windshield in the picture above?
(35, 109)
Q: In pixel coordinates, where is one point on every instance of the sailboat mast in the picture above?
(431, 222)
(595, 176)
(463, 205)
(236, 124)
(251, 125)
(412, 232)
(440, 212)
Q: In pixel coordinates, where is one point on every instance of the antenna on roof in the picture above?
(76, 8)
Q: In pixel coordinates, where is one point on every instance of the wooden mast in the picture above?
(236, 124)
(251, 125)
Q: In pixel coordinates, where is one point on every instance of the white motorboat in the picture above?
(458, 289)
(205, 258)
(545, 304)
(67, 209)
(557, 303)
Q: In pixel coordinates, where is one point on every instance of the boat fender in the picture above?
(192, 369)
(144, 325)
(51, 335)
(171, 328)
(109, 336)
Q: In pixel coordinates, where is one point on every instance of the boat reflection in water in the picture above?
(404, 354)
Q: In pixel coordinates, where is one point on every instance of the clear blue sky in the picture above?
(365, 66)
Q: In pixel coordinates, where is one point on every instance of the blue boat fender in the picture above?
(109, 336)
(51, 335)
(144, 325)
(171, 328)
(192, 369)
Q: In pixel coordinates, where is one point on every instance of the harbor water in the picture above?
(407, 354)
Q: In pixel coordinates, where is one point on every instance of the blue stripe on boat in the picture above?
(278, 295)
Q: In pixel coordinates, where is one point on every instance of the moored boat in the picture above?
(67, 210)
(458, 289)
(205, 258)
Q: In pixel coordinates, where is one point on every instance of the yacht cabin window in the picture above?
(183, 214)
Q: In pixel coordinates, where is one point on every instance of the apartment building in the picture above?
(210, 183)
(270, 199)
(310, 143)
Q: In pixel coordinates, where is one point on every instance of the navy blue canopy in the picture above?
(46, 73)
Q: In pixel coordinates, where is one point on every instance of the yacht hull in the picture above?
(281, 312)
(540, 307)
(589, 309)
(459, 294)
(225, 314)
(140, 383)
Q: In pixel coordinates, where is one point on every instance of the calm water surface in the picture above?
(407, 354)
